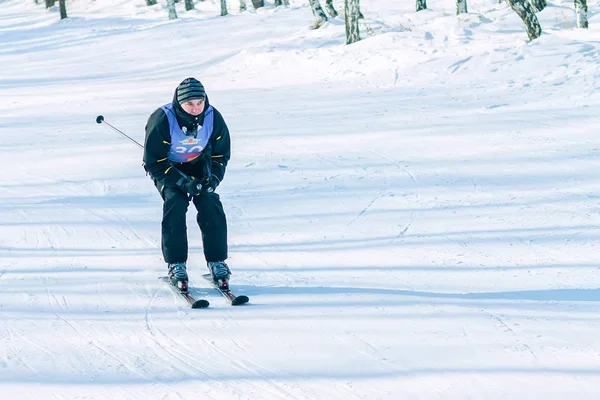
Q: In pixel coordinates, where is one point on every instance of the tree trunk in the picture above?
(223, 8)
(258, 3)
(538, 5)
(189, 5)
(525, 11)
(50, 3)
(151, 2)
(171, 8)
(351, 12)
(421, 5)
(461, 7)
(319, 14)
(243, 5)
(581, 12)
(277, 3)
(330, 10)
(63, 9)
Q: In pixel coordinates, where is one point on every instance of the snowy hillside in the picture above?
(414, 216)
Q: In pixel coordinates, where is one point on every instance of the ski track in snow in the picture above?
(58, 307)
(520, 344)
(153, 333)
(187, 360)
(413, 215)
(366, 208)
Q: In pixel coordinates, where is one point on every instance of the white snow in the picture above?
(415, 216)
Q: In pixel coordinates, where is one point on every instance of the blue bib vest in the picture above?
(186, 148)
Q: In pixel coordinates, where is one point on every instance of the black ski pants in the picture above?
(211, 219)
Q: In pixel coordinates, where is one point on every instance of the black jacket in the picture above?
(158, 142)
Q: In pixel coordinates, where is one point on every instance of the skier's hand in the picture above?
(210, 184)
(192, 187)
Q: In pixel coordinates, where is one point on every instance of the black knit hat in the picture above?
(190, 89)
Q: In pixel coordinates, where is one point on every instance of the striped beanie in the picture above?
(190, 89)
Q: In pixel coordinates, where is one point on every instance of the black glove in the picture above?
(210, 184)
(192, 187)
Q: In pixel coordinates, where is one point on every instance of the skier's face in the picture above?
(193, 107)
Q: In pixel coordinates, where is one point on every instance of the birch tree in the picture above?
(330, 10)
(538, 5)
(189, 5)
(581, 10)
(351, 11)
(525, 11)
(223, 8)
(461, 7)
(421, 5)
(320, 16)
(63, 9)
(171, 8)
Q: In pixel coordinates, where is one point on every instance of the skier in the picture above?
(186, 151)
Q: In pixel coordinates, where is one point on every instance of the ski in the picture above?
(185, 294)
(227, 293)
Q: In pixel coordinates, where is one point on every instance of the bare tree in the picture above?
(50, 3)
(421, 5)
(581, 10)
(538, 5)
(461, 7)
(351, 11)
(151, 2)
(189, 5)
(171, 8)
(223, 8)
(258, 3)
(525, 11)
(319, 14)
(330, 10)
(63, 9)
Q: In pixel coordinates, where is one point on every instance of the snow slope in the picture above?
(414, 216)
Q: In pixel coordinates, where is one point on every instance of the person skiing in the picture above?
(187, 148)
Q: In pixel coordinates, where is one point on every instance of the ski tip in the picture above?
(240, 300)
(201, 304)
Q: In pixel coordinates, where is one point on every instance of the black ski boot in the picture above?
(220, 273)
(178, 276)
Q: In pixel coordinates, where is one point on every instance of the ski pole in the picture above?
(100, 119)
